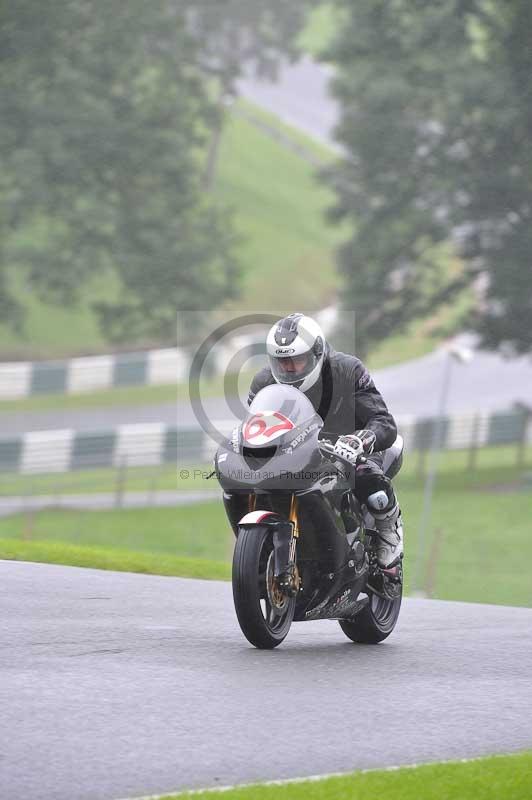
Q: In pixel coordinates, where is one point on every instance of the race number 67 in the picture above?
(266, 425)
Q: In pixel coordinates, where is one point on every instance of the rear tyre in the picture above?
(377, 619)
(264, 615)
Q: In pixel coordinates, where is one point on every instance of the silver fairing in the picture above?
(276, 448)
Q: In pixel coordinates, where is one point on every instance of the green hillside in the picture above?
(285, 246)
(279, 202)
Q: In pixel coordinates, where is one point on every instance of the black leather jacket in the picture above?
(345, 397)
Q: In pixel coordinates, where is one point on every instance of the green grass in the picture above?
(116, 560)
(483, 537)
(185, 531)
(56, 331)
(287, 248)
(308, 148)
(323, 23)
(495, 778)
(160, 541)
(481, 519)
(484, 533)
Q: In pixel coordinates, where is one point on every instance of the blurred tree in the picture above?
(238, 36)
(437, 130)
(103, 129)
(243, 36)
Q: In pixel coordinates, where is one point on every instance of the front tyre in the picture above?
(377, 620)
(263, 613)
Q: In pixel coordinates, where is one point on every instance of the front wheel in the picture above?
(377, 619)
(264, 614)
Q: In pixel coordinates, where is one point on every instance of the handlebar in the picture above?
(326, 446)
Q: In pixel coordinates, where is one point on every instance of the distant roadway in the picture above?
(300, 97)
(107, 500)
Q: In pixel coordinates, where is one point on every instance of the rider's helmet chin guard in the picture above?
(296, 349)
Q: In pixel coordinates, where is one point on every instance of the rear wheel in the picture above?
(264, 614)
(378, 618)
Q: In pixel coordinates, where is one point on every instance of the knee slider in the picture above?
(378, 501)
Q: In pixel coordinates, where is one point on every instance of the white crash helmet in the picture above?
(296, 349)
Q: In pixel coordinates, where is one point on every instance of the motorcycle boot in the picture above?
(389, 527)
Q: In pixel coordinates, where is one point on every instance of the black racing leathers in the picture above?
(346, 399)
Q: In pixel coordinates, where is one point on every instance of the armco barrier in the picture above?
(93, 373)
(155, 444)
(150, 444)
(98, 373)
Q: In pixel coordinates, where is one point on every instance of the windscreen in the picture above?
(275, 411)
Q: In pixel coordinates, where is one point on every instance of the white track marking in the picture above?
(315, 778)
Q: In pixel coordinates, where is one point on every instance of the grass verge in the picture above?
(495, 778)
(186, 531)
(472, 550)
(113, 559)
(472, 553)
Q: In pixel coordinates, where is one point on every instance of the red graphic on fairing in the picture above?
(265, 426)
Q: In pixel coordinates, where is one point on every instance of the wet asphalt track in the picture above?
(115, 685)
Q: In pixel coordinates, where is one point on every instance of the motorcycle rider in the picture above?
(354, 413)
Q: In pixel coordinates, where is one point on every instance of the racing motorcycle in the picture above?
(305, 547)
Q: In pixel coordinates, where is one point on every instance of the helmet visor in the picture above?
(293, 369)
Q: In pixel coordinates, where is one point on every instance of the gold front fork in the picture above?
(295, 529)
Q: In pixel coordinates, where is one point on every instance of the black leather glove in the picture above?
(368, 440)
